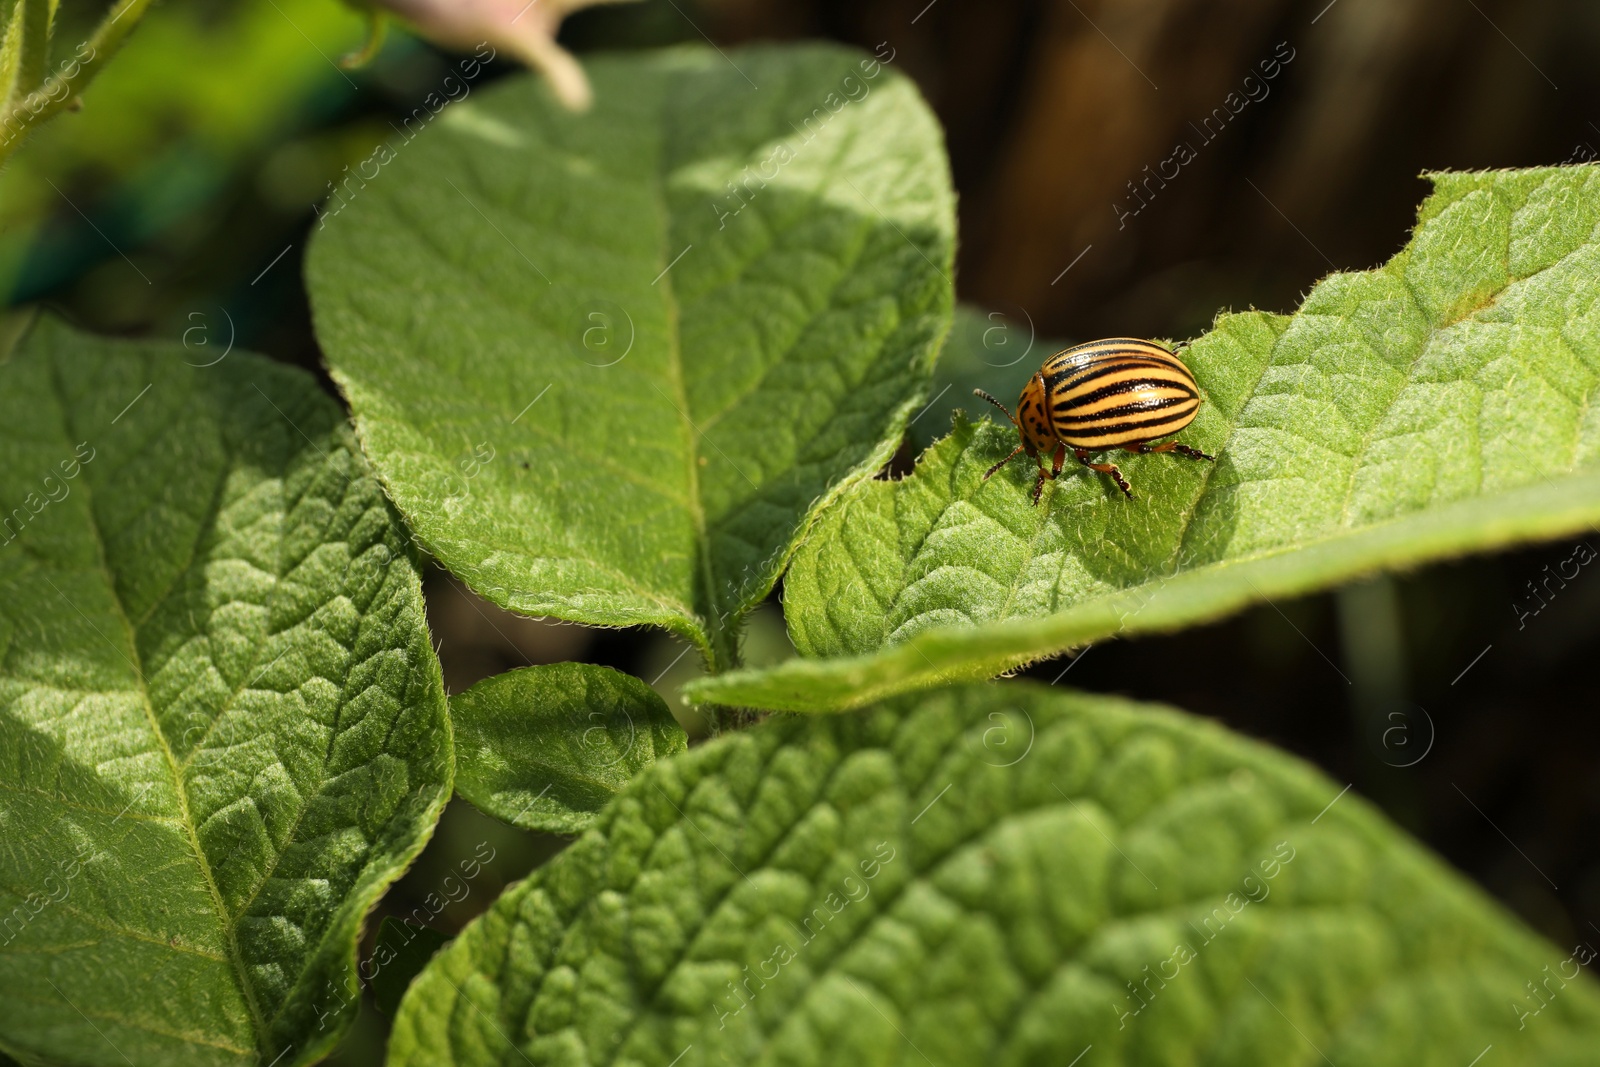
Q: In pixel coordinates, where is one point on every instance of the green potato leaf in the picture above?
(608, 364)
(223, 730)
(1435, 406)
(1001, 873)
(545, 748)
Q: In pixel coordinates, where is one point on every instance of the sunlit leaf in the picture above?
(608, 365)
(1438, 405)
(222, 727)
(995, 874)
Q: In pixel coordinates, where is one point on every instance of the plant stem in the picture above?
(33, 23)
(65, 85)
(377, 32)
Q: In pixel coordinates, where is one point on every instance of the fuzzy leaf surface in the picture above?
(979, 876)
(608, 364)
(1439, 405)
(223, 730)
(545, 747)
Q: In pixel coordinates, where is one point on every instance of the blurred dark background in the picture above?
(178, 201)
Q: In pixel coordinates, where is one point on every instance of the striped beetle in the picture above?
(1119, 392)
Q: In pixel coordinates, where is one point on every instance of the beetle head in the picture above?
(1033, 417)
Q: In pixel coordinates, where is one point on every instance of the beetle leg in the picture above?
(1003, 462)
(1192, 453)
(1171, 446)
(1106, 468)
(1056, 463)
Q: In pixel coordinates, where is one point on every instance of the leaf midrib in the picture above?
(136, 1023)
(130, 933)
(180, 790)
(1433, 331)
(1332, 536)
(564, 772)
(1186, 526)
(714, 631)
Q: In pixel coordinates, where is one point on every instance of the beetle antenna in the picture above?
(1009, 417)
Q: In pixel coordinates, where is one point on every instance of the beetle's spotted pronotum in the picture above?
(1120, 392)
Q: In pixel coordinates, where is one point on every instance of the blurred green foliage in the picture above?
(200, 90)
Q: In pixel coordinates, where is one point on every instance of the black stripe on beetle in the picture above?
(1075, 376)
(1120, 392)
(1063, 406)
(1095, 421)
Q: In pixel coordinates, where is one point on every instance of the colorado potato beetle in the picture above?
(1119, 392)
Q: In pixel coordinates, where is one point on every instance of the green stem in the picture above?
(721, 654)
(33, 47)
(69, 80)
(377, 31)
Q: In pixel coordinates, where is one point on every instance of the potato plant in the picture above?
(632, 367)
